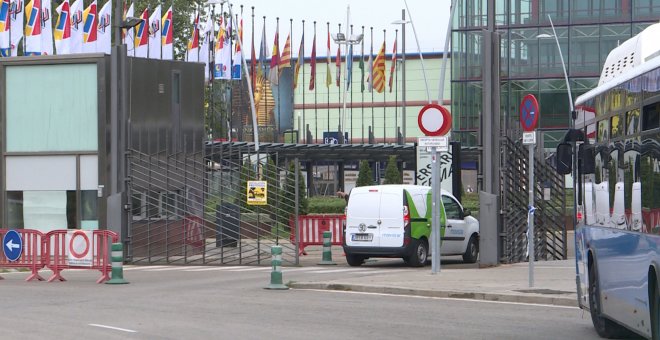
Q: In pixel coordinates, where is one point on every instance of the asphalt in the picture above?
(553, 281)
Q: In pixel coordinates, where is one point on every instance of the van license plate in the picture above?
(363, 237)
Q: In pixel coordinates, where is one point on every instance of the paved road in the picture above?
(230, 303)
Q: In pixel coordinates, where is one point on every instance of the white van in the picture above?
(395, 221)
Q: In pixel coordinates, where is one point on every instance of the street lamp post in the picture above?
(403, 23)
(341, 39)
(573, 114)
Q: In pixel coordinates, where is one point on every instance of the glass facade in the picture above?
(530, 61)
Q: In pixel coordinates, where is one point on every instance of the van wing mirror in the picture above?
(564, 158)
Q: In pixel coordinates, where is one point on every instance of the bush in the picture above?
(326, 205)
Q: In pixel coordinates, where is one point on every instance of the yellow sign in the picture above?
(257, 193)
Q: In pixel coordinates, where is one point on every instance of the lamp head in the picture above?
(130, 22)
(544, 36)
(400, 22)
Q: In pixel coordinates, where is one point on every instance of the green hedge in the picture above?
(326, 205)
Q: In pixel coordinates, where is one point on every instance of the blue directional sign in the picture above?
(529, 113)
(12, 245)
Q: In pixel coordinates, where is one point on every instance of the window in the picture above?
(452, 209)
(651, 116)
(632, 122)
(616, 127)
(603, 131)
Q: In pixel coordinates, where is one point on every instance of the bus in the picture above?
(616, 147)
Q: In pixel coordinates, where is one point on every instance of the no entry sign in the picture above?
(79, 248)
(529, 113)
(434, 120)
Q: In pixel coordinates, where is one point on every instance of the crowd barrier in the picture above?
(311, 228)
(193, 234)
(61, 256)
(31, 256)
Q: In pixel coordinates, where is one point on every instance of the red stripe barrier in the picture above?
(31, 255)
(59, 253)
(311, 228)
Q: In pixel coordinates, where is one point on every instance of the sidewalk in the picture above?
(554, 283)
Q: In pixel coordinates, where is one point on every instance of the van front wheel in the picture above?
(420, 253)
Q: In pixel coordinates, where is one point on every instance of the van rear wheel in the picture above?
(420, 253)
(354, 260)
(472, 250)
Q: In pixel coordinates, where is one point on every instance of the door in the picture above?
(362, 216)
(390, 223)
(454, 241)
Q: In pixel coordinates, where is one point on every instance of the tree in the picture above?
(392, 174)
(364, 176)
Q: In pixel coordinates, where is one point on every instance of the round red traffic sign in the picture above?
(434, 120)
(529, 113)
(79, 253)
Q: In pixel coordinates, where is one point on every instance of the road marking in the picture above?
(215, 268)
(441, 298)
(143, 267)
(388, 271)
(251, 269)
(171, 268)
(114, 328)
(336, 270)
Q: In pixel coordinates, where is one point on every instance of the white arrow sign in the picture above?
(11, 245)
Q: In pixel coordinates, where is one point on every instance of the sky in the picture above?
(430, 18)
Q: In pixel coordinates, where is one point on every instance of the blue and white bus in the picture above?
(617, 237)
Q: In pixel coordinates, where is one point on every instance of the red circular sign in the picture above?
(73, 251)
(529, 113)
(434, 120)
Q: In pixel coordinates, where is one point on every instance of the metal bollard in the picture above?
(276, 274)
(117, 258)
(327, 249)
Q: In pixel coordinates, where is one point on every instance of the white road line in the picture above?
(251, 269)
(389, 271)
(442, 298)
(171, 268)
(143, 267)
(115, 328)
(206, 269)
(298, 269)
(336, 270)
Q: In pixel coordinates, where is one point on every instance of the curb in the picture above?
(546, 300)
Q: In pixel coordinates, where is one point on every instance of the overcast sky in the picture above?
(430, 18)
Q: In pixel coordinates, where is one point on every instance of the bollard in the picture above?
(327, 249)
(276, 274)
(117, 259)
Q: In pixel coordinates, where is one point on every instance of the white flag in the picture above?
(76, 26)
(62, 32)
(46, 28)
(236, 62)
(17, 13)
(90, 27)
(154, 34)
(205, 46)
(33, 28)
(104, 34)
(129, 34)
(167, 35)
(142, 35)
(5, 39)
(222, 54)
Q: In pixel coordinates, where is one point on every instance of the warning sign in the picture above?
(257, 193)
(79, 248)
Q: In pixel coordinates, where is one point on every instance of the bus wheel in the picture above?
(655, 310)
(604, 327)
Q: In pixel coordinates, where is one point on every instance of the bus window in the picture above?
(651, 117)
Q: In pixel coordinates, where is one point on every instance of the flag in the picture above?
(393, 66)
(76, 13)
(16, 15)
(33, 28)
(361, 66)
(63, 29)
(142, 35)
(205, 46)
(236, 72)
(328, 76)
(222, 53)
(167, 40)
(193, 45)
(129, 34)
(262, 53)
(273, 76)
(379, 70)
(104, 34)
(285, 59)
(300, 61)
(349, 67)
(90, 26)
(5, 24)
(312, 72)
(46, 28)
(338, 65)
(155, 33)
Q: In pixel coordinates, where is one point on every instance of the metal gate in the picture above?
(549, 218)
(192, 209)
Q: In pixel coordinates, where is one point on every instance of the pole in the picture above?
(443, 69)
(302, 87)
(435, 223)
(371, 85)
(530, 216)
(279, 112)
(339, 93)
(384, 92)
(403, 74)
(396, 91)
(316, 103)
(426, 82)
(362, 84)
(328, 86)
(350, 85)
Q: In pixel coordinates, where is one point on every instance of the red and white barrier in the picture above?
(78, 249)
(311, 228)
(192, 231)
(31, 255)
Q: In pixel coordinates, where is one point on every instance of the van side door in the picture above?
(454, 240)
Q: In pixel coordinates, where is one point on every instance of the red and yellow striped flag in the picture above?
(285, 58)
(393, 66)
(379, 70)
(300, 61)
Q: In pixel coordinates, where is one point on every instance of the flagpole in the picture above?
(396, 88)
(264, 86)
(384, 106)
(302, 88)
(228, 116)
(316, 108)
(253, 55)
(371, 83)
(328, 85)
(160, 24)
(362, 85)
(339, 115)
(350, 87)
(290, 59)
(277, 35)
